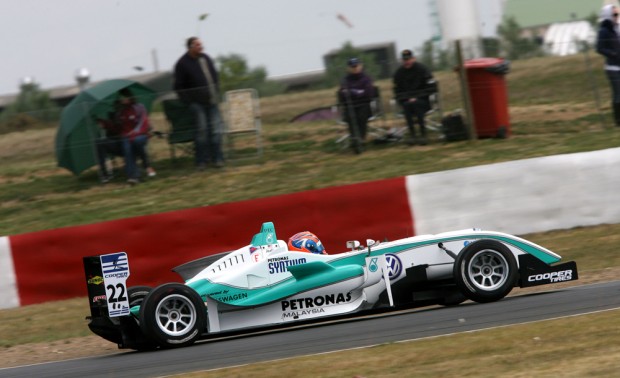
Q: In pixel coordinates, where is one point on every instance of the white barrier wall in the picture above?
(519, 197)
(8, 285)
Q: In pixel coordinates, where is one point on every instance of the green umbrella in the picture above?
(75, 140)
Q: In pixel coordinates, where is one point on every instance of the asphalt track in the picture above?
(407, 325)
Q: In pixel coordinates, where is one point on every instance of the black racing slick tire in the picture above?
(134, 337)
(485, 271)
(173, 315)
(137, 294)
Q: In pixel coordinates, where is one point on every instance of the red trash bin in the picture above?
(489, 97)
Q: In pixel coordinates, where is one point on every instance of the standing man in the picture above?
(196, 83)
(608, 45)
(413, 83)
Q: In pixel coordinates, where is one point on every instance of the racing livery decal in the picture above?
(279, 264)
(96, 280)
(318, 301)
(232, 297)
(394, 265)
(115, 265)
(302, 313)
(373, 264)
(564, 275)
(115, 268)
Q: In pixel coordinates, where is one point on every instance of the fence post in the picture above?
(465, 92)
(594, 85)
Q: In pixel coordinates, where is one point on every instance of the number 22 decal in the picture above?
(112, 298)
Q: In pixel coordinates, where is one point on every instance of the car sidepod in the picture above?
(313, 289)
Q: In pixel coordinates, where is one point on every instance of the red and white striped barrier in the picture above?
(518, 197)
(47, 265)
(8, 282)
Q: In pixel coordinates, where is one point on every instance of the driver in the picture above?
(306, 241)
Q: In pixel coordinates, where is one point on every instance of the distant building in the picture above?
(299, 81)
(567, 38)
(160, 82)
(536, 16)
(383, 55)
(561, 26)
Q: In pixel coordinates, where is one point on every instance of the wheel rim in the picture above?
(488, 270)
(175, 315)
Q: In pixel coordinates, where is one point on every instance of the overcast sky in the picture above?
(49, 40)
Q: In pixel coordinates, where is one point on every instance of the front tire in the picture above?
(485, 271)
(173, 315)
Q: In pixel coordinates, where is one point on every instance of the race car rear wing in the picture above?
(106, 277)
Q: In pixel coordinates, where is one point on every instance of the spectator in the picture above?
(355, 94)
(127, 131)
(413, 83)
(197, 84)
(608, 45)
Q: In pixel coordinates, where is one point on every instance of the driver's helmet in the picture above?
(306, 242)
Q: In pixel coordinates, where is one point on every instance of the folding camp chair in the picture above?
(243, 117)
(432, 118)
(376, 121)
(182, 126)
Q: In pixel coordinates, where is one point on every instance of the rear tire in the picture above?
(173, 315)
(134, 338)
(137, 294)
(485, 271)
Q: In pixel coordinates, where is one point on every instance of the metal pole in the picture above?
(155, 60)
(594, 84)
(465, 92)
(355, 138)
(92, 138)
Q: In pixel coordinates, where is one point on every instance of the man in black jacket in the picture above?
(608, 45)
(413, 83)
(196, 82)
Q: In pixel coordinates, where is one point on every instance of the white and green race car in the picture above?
(266, 284)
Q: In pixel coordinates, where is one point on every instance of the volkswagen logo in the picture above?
(394, 265)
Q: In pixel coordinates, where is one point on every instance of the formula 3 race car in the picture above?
(266, 284)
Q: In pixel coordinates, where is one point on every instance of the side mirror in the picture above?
(353, 244)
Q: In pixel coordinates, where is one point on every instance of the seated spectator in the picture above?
(355, 94)
(413, 83)
(127, 131)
